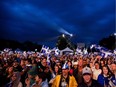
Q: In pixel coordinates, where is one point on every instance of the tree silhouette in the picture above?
(64, 42)
(109, 42)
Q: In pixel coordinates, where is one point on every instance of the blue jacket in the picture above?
(113, 80)
(102, 80)
(107, 81)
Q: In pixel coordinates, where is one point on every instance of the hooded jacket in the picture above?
(72, 81)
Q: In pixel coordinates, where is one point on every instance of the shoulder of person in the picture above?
(95, 82)
(100, 75)
(45, 84)
(72, 77)
(58, 76)
(82, 85)
(20, 84)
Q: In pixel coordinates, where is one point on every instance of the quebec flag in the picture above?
(85, 51)
(57, 51)
(45, 50)
(115, 51)
(92, 46)
(78, 50)
(106, 53)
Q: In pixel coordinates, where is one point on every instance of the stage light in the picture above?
(114, 34)
(71, 35)
(63, 35)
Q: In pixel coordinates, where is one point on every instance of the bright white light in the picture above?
(63, 35)
(71, 35)
(64, 31)
(114, 34)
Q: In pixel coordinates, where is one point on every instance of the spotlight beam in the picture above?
(65, 32)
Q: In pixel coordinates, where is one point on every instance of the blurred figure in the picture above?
(105, 77)
(70, 67)
(15, 80)
(54, 73)
(9, 73)
(31, 76)
(113, 68)
(64, 80)
(17, 67)
(44, 67)
(87, 79)
(40, 81)
(79, 73)
(96, 71)
(102, 63)
(75, 70)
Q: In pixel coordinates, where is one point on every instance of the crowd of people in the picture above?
(33, 70)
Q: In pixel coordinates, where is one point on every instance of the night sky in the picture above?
(43, 21)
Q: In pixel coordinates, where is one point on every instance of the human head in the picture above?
(40, 77)
(44, 62)
(32, 72)
(80, 63)
(15, 63)
(75, 64)
(106, 71)
(113, 67)
(97, 65)
(22, 63)
(69, 63)
(65, 70)
(102, 63)
(10, 69)
(16, 76)
(56, 68)
(58, 62)
(87, 74)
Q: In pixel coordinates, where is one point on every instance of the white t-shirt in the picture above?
(96, 73)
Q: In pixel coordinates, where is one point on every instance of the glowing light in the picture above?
(114, 34)
(64, 31)
(63, 35)
(71, 35)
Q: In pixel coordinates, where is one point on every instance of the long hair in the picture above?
(109, 71)
(18, 77)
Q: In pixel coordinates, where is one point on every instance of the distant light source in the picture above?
(63, 35)
(114, 34)
(71, 35)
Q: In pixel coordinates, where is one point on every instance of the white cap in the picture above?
(86, 70)
(75, 63)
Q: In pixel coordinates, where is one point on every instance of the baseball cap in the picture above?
(65, 66)
(86, 70)
(75, 63)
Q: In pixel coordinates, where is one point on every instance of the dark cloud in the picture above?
(43, 20)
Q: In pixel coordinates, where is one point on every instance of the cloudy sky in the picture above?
(43, 21)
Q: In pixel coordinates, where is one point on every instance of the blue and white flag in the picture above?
(102, 54)
(92, 46)
(45, 50)
(85, 51)
(57, 51)
(106, 53)
(78, 50)
(115, 51)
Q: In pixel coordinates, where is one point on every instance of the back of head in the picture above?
(42, 76)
